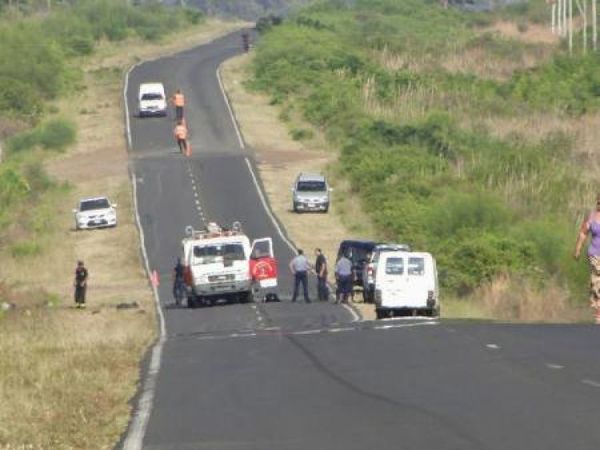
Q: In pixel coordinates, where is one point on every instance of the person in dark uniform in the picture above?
(81, 277)
(321, 270)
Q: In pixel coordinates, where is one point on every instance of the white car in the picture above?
(152, 100)
(95, 212)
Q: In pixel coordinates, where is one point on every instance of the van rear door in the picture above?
(404, 279)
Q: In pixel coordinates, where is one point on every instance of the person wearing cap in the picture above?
(179, 101)
(80, 284)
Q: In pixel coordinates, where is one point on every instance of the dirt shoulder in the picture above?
(67, 375)
(280, 158)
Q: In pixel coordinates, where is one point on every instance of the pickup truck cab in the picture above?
(406, 283)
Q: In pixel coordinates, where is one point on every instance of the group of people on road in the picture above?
(180, 131)
(301, 267)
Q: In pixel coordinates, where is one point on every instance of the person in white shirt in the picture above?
(344, 278)
(300, 266)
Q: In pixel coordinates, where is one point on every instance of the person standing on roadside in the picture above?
(321, 270)
(300, 266)
(343, 276)
(80, 284)
(179, 101)
(181, 133)
(591, 227)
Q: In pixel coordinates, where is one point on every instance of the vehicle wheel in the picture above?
(295, 208)
(191, 302)
(380, 314)
(247, 298)
(326, 210)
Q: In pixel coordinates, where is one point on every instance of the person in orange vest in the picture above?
(179, 101)
(180, 133)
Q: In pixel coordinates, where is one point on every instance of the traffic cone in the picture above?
(155, 279)
(597, 316)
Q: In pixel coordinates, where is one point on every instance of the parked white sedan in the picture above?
(95, 212)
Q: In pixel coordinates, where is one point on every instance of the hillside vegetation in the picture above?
(458, 137)
(40, 57)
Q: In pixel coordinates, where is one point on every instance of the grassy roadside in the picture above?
(66, 376)
(285, 144)
(280, 158)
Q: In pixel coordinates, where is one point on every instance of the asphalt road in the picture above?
(297, 376)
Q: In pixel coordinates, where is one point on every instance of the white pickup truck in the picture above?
(217, 264)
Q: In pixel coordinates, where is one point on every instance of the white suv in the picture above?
(310, 193)
(152, 100)
(95, 212)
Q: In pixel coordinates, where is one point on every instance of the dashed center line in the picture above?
(554, 366)
(493, 346)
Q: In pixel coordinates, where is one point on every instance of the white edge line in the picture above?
(591, 383)
(139, 420)
(353, 313)
(235, 124)
(404, 325)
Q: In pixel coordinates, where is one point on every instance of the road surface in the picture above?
(296, 376)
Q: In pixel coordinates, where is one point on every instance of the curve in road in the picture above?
(284, 376)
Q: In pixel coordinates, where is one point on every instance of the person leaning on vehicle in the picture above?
(80, 284)
(179, 101)
(177, 277)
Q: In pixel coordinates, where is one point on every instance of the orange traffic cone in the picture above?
(155, 279)
(597, 316)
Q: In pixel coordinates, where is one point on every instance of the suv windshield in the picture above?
(90, 205)
(152, 96)
(218, 253)
(311, 186)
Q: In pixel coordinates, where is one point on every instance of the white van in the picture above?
(152, 100)
(406, 283)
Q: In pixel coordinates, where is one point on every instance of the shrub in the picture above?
(300, 134)
(57, 134)
(25, 248)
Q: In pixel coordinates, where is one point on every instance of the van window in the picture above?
(416, 266)
(218, 253)
(394, 266)
(152, 96)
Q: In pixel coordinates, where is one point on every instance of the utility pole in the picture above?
(570, 27)
(594, 26)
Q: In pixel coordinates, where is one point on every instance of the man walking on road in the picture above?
(321, 269)
(179, 101)
(300, 266)
(343, 276)
(180, 133)
(80, 284)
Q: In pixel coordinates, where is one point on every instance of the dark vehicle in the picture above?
(358, 251)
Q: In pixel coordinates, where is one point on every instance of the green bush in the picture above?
(300, 134)
(25, 248)
(56, 134)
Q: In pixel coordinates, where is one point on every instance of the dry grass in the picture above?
(66, 375)
(514, 299)
(280, 160)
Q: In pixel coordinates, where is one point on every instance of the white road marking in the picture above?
(233, 120)
(139, 421)
(554, 366)
(308, 332)
(355, 316)
(592, 383)
(403, 325)
(339, 330)
(493, 346)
